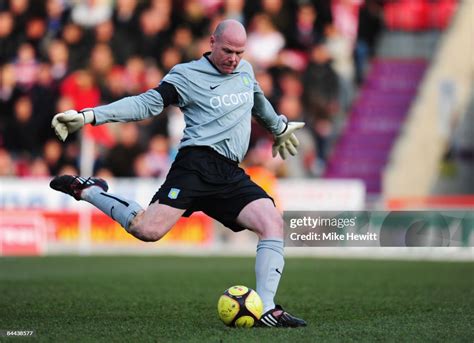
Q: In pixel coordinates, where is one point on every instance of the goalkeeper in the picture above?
(218, 94)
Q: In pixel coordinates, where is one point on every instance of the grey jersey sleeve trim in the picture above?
(266, 115)
(132, 108)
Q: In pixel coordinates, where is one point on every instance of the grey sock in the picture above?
(269, 265)
(119, 209)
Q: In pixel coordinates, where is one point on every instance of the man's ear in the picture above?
(213, 40)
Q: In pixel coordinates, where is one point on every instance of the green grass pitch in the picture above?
(173, 299)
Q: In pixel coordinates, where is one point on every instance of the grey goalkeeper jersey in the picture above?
(217, 107)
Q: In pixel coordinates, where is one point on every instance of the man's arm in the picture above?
(139, 107)
(132, 108)
(265, 114)
(282, 129)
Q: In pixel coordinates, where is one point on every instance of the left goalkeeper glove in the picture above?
(70, 121)
(287, 141)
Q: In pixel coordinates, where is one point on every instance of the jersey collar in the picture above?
(206, 55)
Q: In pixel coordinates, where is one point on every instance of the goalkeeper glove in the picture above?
(70, 121)
(287, 141)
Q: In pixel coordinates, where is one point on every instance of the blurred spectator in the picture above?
(68, 169)
(26, 66)
(89, 13)
(21, 134)
(52, 154)
(101, 62)
(211, 7)
(155, 34)
(155, 162)
(323, 130)
(43, 95)
(234, 9)
(303, 165)
(126, 28)
(141, 167)
(321, 85)
(153, 76)
(346, 18)
(125, 17)
(58, 57)
(35, 33)
(342, 61)
(264, 41)
(304, 31)
(105, 34)
(262, 167)
(103, 173)
(38, 168)
(7, 166)
(370, 25)
(321, 96)
(170, 57)
(290, 105)
(120, 159)
(193, 13)
(324, 13)
(63, 104)
(80, 87)
(71, 154)
(19, 9)
(183, 40)
(9, 93)
(200, 46)
(115, 87)
(267, 85)
(9, 40)
(289, 83)
(280, 13)
(134, 74)
(162, 6)
(79, 45)
(57, 15)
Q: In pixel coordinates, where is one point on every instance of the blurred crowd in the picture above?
(309, 57)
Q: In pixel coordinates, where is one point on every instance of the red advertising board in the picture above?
(64, 227)
(22, 233)
(29, 232)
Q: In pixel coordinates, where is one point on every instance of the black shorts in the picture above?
(201, 179)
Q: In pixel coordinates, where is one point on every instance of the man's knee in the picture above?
(271, 225)
(274, 227)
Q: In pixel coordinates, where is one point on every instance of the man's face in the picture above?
(226, 53)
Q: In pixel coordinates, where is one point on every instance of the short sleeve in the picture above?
(178, 78)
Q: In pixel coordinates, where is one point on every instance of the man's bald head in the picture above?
(230, 28)
(228, 44)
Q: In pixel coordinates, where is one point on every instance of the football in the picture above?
(240, 306)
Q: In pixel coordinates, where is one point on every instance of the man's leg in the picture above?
(147, 225)
(263, 218)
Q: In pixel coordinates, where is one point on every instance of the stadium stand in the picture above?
(57, 55)
(375, 121)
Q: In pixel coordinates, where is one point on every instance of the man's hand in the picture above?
(287, 141)
(70, 121)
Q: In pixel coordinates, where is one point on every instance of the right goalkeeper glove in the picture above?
(70, 121)
(287, 141)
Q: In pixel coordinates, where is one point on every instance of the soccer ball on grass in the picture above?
(240, 306)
